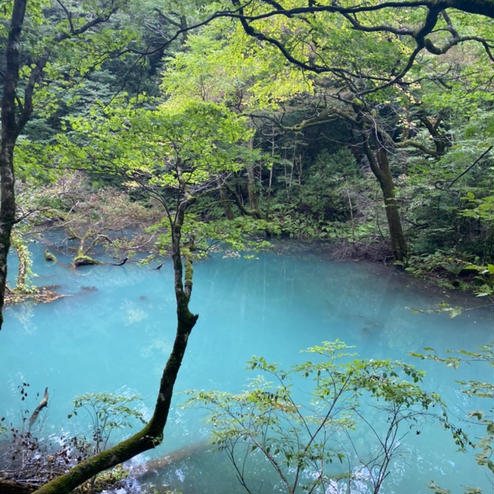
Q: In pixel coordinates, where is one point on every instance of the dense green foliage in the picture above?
(312, 447)
(317, 131)
(178, 129)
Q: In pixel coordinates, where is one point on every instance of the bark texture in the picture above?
(481, 7)
(10, 132)
(379, 164)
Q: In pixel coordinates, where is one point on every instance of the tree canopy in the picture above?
(366, 125)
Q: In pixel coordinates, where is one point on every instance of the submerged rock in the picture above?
(49, 256)
(84, 261)
(88, 289)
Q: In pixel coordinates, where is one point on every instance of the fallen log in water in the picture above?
(8, 486)
(169, 459)
(39, 295)
(121, 263)
(13, 487)
(42, 404)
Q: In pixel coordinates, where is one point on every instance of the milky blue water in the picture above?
(114, 330)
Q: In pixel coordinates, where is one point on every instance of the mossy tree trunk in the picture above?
(22, 285)
(152, 433)
(87, 241)
(375, 143)
(11, 128)
(379, 164)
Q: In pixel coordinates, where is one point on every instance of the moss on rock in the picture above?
(82, 260)
(50, 257)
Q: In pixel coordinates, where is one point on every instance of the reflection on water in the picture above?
(115, 329)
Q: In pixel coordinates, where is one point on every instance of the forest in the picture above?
(158, 139)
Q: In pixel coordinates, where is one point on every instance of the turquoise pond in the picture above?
(115, 328)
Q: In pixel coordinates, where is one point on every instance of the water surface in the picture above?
(114, 330)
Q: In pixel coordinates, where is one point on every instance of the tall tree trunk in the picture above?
(379, 164)
(10, 132)
(252, 189)
(7, 215)
(152, 433)
(225, 202)
(251, 185)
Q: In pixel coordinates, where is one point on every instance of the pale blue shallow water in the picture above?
(113, 333)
